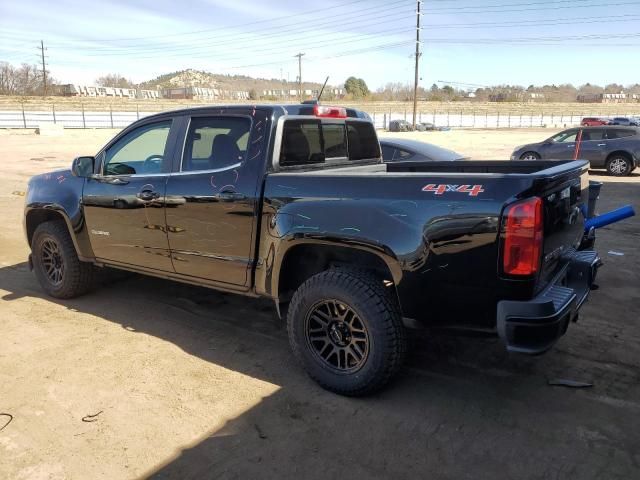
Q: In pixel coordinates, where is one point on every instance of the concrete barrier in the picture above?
(50, 130)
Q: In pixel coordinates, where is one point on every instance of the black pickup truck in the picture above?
(294, 203)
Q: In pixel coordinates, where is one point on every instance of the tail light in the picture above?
(523, 237)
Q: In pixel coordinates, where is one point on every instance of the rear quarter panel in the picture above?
(441, 249)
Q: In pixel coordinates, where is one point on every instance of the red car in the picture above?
(594, 122)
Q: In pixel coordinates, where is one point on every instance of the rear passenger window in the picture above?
(403, 155)
(619, 133)
(387, 153)
(592, 134)
(215, 143)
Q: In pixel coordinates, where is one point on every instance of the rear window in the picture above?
(308, 142)
(620, 133)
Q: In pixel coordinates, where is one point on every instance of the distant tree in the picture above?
(613, 88)
(448, 90)
(253, 95)
(588, 89)
(23, 80)
(356, 87)
(114, 80)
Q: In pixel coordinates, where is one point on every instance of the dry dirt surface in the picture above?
(146, 378)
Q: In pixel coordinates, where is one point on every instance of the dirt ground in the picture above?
(147, 378)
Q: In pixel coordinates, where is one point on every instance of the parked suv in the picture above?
(615, 148)
(627, 121)
(400, 126)
(594, 121)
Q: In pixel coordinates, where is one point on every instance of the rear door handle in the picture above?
(602, 144)
(229, 196)
(148, 195)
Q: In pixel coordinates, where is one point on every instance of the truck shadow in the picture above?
(453, 390)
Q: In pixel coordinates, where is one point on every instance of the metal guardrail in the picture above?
(118, 119)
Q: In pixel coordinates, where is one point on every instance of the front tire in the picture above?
(530, 156)
(619, 166)
(346, 329)
(55, 262)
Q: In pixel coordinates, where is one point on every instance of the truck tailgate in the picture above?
(565, 199)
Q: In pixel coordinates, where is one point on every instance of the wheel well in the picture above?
(304, 261)
(36, 217)
(620, 153)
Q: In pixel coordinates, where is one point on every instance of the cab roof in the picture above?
(277, 109)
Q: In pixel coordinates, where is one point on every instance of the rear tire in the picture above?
(55, 262)
(530, 156)
(619, 166)
(346, 329)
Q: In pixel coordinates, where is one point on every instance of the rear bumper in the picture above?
(533, 326)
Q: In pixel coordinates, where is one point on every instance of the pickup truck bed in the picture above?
(444, 244)
(293, 203)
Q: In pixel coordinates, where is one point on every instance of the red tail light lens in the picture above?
(329, 112)
(523, 237)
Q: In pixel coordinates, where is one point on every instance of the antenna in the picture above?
(322, 89)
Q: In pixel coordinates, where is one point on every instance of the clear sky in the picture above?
(475, 42)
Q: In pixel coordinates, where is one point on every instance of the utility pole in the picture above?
(415, 84)
(299, 55)
(44, 70)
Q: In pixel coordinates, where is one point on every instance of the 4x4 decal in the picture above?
(471, 190)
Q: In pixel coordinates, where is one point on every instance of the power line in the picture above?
(460, 10)
(308, 12)
(335, 18)
(571, 4)
(249, 36)
(545, 38)
(238, 43)
(359, 51)
(542, 23)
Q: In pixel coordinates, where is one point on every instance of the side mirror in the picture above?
(83, 166)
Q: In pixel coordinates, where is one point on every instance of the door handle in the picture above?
(147, 195)
(602, 144)
(229, 196)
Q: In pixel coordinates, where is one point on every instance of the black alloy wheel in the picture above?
(52, 261)
(337, 336)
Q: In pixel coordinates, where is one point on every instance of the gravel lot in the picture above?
(183, 382)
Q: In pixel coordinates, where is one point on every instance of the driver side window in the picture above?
(140, 152)
(566, 137)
